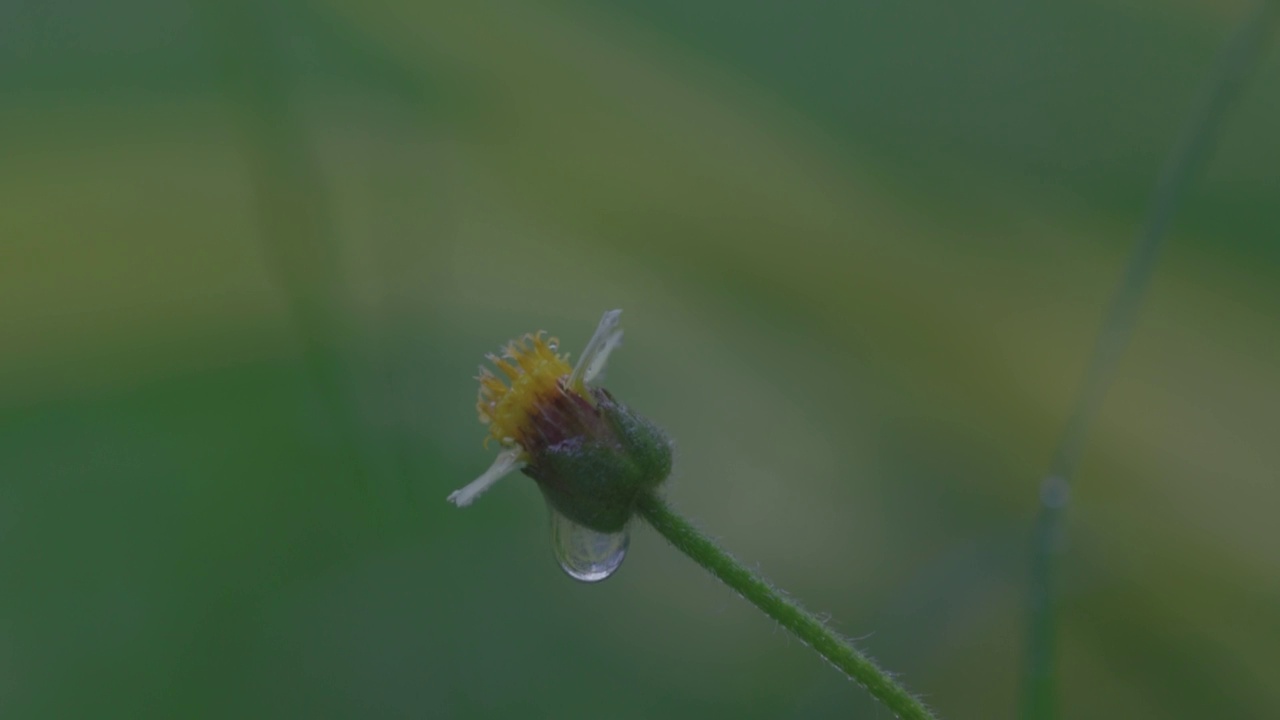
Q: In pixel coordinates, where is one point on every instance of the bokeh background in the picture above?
(251, 254)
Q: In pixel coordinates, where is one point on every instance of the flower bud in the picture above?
(593, 476)
(591, 455)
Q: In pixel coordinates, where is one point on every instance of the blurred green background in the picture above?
(251, 254)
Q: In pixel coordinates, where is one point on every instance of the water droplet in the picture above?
(583, 553)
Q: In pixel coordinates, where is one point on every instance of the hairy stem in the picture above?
(1183, 164)
(789, 614)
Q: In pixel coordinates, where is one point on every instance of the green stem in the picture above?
(1185, 161)
(297, 232)
(789, 614)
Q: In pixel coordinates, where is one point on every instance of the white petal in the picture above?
(507, 461)
(608, 336)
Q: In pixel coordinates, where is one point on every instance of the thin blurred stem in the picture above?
(297, 232)
(1183, 165)
(291, 203)
(789, 614)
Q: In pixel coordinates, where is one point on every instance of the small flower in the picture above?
(590, 455)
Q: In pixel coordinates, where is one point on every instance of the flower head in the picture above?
(590, 455)
(534, 371)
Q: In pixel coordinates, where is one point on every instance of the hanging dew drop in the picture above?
(583, 553)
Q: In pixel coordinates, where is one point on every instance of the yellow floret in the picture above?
(533, 371)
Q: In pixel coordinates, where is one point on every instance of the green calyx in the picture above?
(594, 478)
